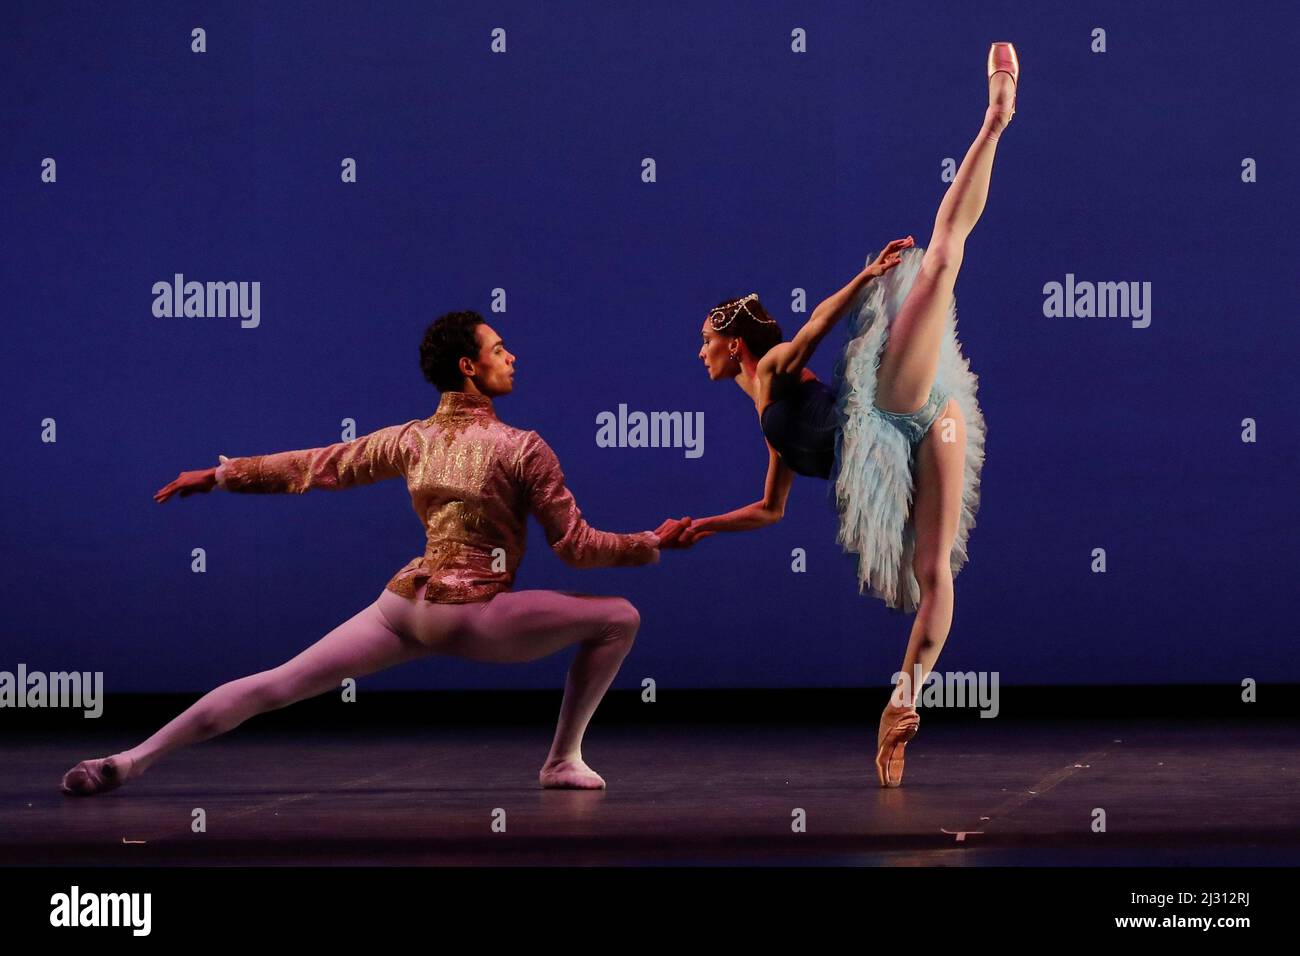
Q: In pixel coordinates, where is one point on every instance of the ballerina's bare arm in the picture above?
(789, 358)
(768, 510)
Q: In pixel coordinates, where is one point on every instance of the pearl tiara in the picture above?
(719, 319)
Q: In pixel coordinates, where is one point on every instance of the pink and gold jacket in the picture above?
(473, 481)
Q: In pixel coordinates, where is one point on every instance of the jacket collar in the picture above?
(465, 404)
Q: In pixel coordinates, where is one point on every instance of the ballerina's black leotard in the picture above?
(801, 426)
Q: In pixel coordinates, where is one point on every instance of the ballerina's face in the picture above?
(715, 354)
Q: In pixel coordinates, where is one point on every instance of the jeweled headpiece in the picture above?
(722, 317)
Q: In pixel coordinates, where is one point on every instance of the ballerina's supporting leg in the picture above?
(911, 356)
(936, 508)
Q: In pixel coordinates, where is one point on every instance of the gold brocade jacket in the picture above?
(473, 481)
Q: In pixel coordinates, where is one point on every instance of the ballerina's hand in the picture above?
(187, 483)
(890, 256)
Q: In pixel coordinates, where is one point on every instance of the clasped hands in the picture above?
(678, 533)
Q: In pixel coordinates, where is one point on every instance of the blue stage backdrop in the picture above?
(592, 178)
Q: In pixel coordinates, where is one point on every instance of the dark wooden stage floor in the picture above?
(1180, 792)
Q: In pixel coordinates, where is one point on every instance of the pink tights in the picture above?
(510, 627)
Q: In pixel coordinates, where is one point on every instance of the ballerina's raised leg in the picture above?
(907, 371)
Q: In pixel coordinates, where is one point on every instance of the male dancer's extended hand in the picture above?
(188, 483)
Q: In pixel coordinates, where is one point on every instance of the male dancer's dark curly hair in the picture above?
(450, 338)
(745, 318)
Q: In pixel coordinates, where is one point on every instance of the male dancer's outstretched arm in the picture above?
(364, 460)
(346, 464)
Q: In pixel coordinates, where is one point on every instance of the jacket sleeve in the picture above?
(576, 542)
(361, 461)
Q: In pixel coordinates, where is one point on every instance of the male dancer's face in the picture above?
(493, 372)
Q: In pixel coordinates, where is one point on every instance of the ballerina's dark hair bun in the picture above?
(745, 318)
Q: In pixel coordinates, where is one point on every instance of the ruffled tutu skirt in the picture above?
(872, 482)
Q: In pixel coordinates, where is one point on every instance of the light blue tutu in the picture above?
(875, 451)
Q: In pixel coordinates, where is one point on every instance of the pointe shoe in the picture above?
(91, 777)
(890, 746)
(1003, 59)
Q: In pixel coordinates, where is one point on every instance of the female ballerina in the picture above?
(906, 492)
(474, 480)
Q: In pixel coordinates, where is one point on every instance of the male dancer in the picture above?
(473, 480)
